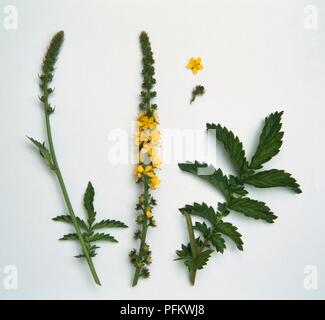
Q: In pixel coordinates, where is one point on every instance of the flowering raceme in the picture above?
(147, 142)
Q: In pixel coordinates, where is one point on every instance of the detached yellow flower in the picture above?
(195, 64)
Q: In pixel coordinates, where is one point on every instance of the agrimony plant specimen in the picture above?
(147, 140)
(213, 228)
(86, 232)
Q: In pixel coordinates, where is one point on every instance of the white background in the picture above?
(258, 58)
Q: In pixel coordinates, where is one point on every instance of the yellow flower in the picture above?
(142, 136)
(154, 182)
(156, 162)
(146, 151)
(155, 159)
(195, 64)
(145, 122)
(148, 213)
(154, 137)
(148, 171)
(156, 119)
(140, 171)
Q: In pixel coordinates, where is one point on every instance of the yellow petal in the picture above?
(191, 63)
(148, 168)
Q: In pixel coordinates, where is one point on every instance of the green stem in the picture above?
(193, 244)
(143, 232)
(67, 199)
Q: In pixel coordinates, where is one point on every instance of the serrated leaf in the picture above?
(201, 210)
(199, 261)
(44, 152)
(273, 178)
(202, 228)
(223, 209)
(92, 252)
(70, 236)
(232, 145)
(270, 141)
(67, 219)
(184, 253)
(102, 237)
(209, 174)
(236, 186)
(89, 203)
(108, 223)
(252, 208)
(218, 242)
(231, 232)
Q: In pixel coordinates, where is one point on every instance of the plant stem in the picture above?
(67, 199)
(193, 244)
(143, 231)
(143, 240)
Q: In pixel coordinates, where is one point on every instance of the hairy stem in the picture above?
(143, 232)
(67, 199)
(193, 244)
